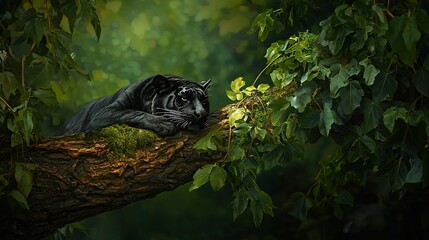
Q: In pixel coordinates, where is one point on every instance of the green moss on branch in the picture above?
(123, 139)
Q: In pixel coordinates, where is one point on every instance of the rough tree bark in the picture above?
(77, 178)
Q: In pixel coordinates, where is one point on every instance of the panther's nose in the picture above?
(199, 114)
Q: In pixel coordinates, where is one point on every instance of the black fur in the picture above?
(163, 104)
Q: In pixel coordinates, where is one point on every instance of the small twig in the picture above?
(23, 65)
(8, 106)
(390, 14)
(265, 68)
(47, 15)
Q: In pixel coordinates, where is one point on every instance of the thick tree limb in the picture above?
(77, 178)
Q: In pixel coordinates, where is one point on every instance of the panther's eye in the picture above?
(184, 99)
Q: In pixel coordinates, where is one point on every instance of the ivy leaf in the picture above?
(217, 177)
(95, 21)
(298, 205)
(263, 24)
(384, 87)
(36, 30)
(340, 36)
(308, 119)
(240, 202)
(249, 90)
(24, 177)
(416, 170)
(397, 35)
(236, 153)
(340, 80)
(392, 114)
(302, 96)
(8, 84)
(236, 93)
(19, 198)
(421, 81)
(234, 115)
(236, 84)
(207, 142)
(326, 118)
(273, 157)
(47, 96)
(411, 33)
(370, 72)
(372, 113)
(201, 177)
(263, 87)
(351, 97)
(260, 203)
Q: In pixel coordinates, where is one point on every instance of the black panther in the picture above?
(163, 104)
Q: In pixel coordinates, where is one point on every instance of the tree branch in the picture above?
(79, 176)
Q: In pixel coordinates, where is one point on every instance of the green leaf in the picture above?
(340, 36)
(8, 84)
(392, 114)
(233, 96)
(416, 170)
(236, 153)
(249, 90)
(351, 97)
(411, 33)
(326, 118)
(240, 202)
(384, 87)
(242, 128)
(280, 111)
(235, 115)
(35, 29)
(260, 203)
(421, 81)
(236, 84)
(368, 142)
(308, 119)
(207, 142)
(201, 177)
(24, 177)
(263, 24)
(272, 158)
(298, 205)
(403, 45)
(95, 21)
(372, 113)
(340, 80)
(263, 87)
(217, 177)
(302, 96)
(370, 72)
(258, 133)
(47, 96)
(19, 198)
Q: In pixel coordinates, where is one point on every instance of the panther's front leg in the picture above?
(139, 119)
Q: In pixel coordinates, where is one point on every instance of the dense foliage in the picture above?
(361, 83)
(36, 64)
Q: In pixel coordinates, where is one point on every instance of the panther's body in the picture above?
(163, 104)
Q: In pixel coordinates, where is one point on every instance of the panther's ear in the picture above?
(160, 83)
(206, 84)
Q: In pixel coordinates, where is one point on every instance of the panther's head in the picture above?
(182, 101)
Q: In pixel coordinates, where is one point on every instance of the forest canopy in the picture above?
(329, 136)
